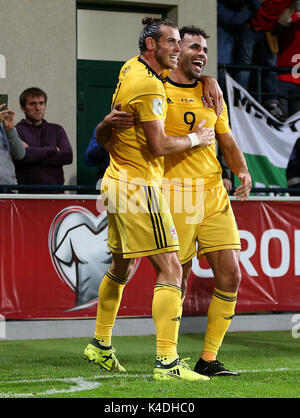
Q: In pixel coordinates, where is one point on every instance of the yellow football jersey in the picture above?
(139, 90)
(187, 107)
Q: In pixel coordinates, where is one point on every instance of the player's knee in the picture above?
(229, 279)
(172, 272)
(123, 269)
(236, 278)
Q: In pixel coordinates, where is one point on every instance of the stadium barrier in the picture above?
(54, 254)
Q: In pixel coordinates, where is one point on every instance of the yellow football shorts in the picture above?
(204, 221)
(139, 219)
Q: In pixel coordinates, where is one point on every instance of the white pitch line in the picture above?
(85, 383)
(80, 385)
(282, 369)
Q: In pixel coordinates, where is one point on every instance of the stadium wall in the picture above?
(38, 40)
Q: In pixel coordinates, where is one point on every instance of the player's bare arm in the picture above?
(116, 119)
(236, 163)
(213, 93)
(161, 144)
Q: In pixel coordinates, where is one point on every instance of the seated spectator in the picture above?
(96, 155)
(11, 147)
(289, 50)
(232, 15)
(293, 169)
(259, 36)
(47, 147)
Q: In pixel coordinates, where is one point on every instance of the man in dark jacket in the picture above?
(47, 146)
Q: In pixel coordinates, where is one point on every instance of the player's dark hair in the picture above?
(31, 91)
(152, 30)
(192, 30)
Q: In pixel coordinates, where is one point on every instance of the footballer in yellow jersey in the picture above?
(195, 177)
(139, 223)
(206, 217)
(187, 106)
(141, 92)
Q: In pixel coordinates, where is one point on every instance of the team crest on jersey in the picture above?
(205, 102)
(173, 233)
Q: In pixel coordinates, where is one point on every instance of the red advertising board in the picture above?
(54, 254)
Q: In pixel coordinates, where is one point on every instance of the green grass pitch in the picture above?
(269, 363)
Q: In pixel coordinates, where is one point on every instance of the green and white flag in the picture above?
(265, 142)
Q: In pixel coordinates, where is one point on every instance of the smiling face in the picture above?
(167, 48)
(193, 55)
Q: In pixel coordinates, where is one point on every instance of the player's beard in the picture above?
(163, 60)
(190, 72)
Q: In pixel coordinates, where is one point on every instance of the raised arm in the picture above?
(17, 149)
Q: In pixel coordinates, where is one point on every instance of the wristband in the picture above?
(194, 139)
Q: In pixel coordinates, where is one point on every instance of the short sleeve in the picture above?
(222, 125)
(149, 102)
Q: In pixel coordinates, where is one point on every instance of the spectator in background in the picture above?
(97, 155)
(289, 56)
(232, 15)
(259, 36)
(46, 144)
(11, 146)
(293, 169)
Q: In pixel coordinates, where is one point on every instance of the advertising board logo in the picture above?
(79, 252)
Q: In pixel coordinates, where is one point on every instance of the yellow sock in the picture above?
(110, 295)
(220, 314)
(166, 312)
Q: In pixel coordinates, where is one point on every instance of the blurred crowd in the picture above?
(263, 33)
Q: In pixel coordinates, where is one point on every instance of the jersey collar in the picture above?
(188, 86)
(149, 68)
